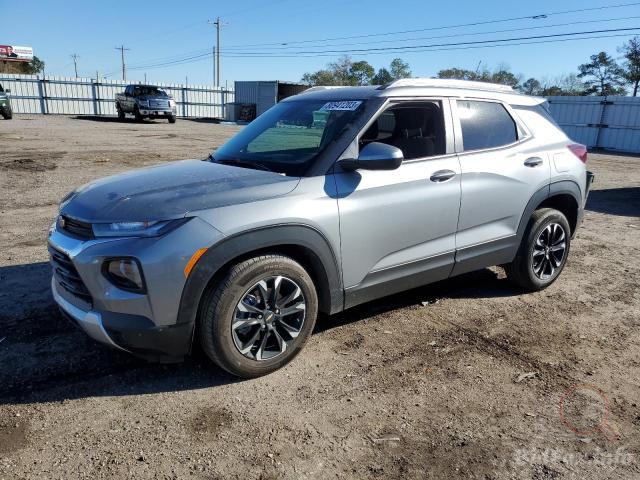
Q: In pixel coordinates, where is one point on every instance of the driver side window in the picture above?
(416, 128)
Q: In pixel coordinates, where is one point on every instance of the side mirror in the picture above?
(375, 156)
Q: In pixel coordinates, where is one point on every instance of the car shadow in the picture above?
(485, 283)
(114, 119)
(615, 201)
(45, 358)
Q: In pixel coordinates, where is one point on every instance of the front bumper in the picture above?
(144, 324)
(89, 321)
(157, 112)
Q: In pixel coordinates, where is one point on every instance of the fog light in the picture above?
(125, 273)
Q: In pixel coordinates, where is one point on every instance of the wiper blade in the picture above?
(245, 163)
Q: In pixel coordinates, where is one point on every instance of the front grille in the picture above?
(158, 103)
(67, 275)
(76, 227)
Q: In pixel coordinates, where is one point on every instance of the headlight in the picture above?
(125, 273)
(136, 229)
(172, 102)
(143, 103)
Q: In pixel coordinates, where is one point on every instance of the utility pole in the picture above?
(122, 50)
(75, 62)
(216, 51)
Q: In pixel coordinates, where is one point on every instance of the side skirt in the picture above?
(381, 283)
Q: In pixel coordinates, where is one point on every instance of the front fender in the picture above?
(244, 243)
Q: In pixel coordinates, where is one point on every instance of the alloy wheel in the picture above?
(268, 318)
(548, 251)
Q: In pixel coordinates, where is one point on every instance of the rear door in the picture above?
(502, 167)
(398, 227)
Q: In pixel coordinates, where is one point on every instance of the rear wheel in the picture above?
(7, 113)
(543, 252)
(259, 316)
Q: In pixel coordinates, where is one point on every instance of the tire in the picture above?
(546, 226)
(172, 119)
(121, 115)
(222, 344)
(137, 114)
(7, 114)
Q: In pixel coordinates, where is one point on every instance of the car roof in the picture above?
(422, 87)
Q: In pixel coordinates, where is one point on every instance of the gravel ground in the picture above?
(465, 378)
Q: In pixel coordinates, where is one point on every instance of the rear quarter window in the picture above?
(485, 125)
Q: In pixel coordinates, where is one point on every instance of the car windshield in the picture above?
(288, 137)
(154, 91)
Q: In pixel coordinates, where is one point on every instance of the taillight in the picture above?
(579, 151)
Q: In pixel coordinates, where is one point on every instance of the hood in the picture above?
(154, 97)
(172, 190)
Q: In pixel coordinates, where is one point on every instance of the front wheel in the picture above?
(172, 119)
(543, 252)
(137, 114)
(259, 316)
(120, 112)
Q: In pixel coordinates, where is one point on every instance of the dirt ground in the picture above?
(465, 378)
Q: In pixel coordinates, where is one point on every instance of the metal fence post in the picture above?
(185, 112)
(42, 94)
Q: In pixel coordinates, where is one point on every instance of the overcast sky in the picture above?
(161, 32)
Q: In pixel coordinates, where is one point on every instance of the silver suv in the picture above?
(330, 199)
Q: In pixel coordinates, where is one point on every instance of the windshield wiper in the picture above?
(244, 163)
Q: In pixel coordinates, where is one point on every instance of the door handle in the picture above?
(442, 176)
(533, 162)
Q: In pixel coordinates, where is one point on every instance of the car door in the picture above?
(398, 227)
(502, 168)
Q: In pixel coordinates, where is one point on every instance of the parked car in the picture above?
(145, 101)
(5, 104)
(398, 186)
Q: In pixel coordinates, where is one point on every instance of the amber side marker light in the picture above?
(193, 260)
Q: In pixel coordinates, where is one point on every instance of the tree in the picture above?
(361, 73)
(532, 87)
(382, 77)
(501, 75)
(399, 69)
(345, 71)
(457, 73)
(631, 66)
(603, 76)
(34, 66)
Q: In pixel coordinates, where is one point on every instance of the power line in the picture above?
(408, 48)
(444, 48)
(444, 27)
(426, 49)
(455, 35)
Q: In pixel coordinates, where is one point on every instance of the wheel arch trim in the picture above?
(273, 236)
(563, 187)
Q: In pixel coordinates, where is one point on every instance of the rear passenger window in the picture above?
(485, 125)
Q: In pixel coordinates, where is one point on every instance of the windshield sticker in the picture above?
(348, 106)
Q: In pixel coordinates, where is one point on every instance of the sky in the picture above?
(283, 39)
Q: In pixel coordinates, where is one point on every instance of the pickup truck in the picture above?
(145, 101)
(5, 105)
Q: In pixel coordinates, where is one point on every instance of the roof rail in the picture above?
(448, 83)
(321, 87)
